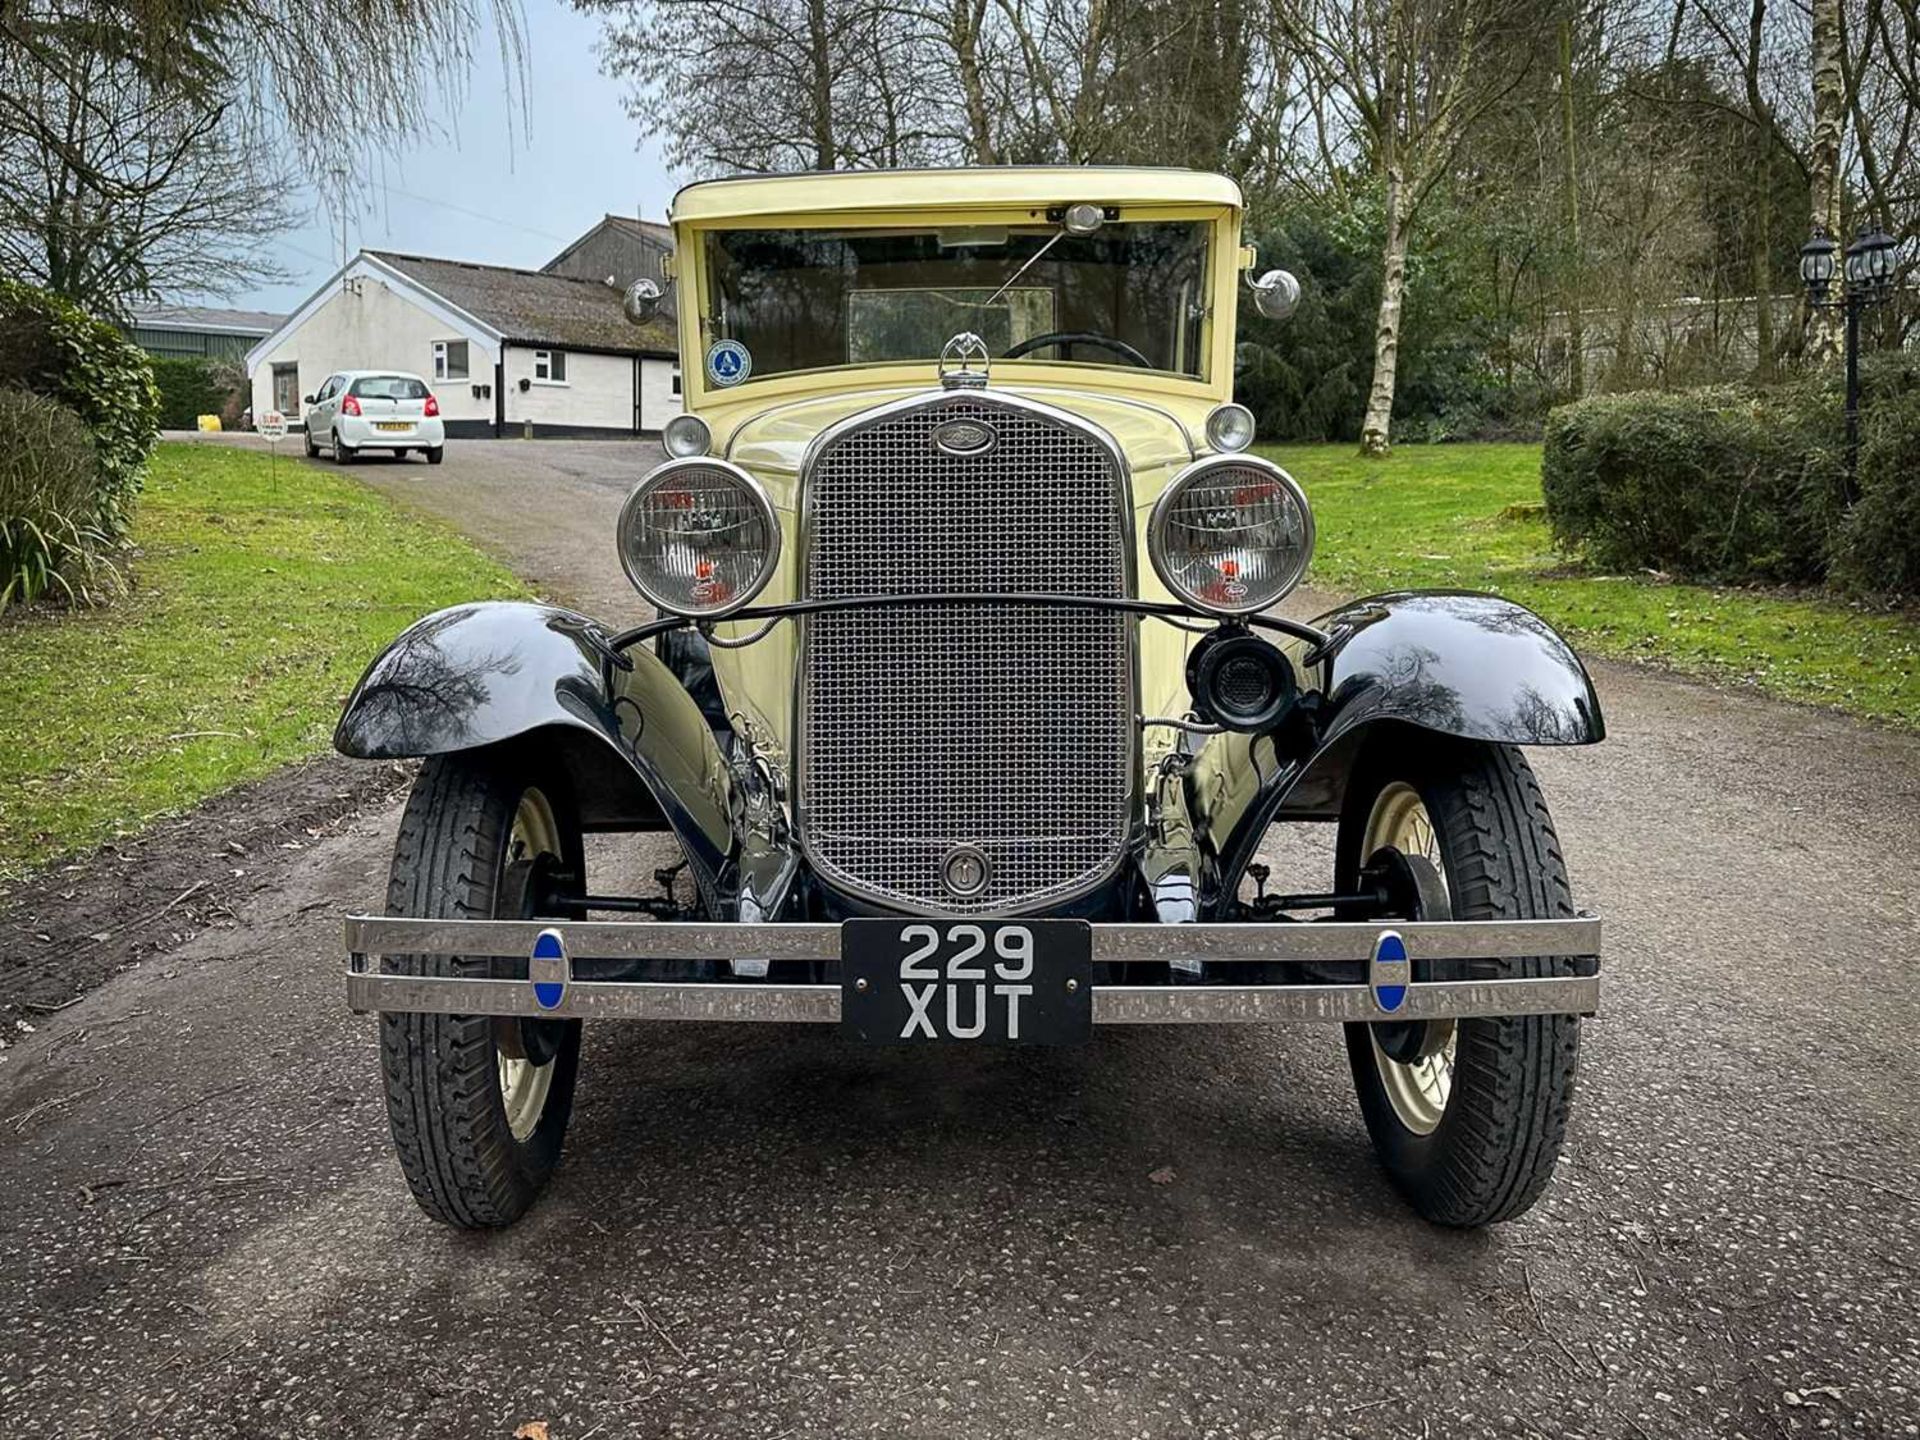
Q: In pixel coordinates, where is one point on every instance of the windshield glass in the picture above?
(1129, 294)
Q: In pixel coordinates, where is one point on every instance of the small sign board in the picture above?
(273, 425)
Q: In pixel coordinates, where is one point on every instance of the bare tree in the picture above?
(856, 83)
(1401, 82)
(967, 38)
(769, 85)
(372, 68)
(115, 186)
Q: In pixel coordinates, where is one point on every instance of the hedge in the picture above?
(191, 388)
(1741, 484)
(51, 347)
(1877, 548)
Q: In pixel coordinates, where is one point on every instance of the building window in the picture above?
(676, 382)
(286, 389)
(550, 365)
(449, 359)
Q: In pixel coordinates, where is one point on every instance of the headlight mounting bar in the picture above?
(785, 610)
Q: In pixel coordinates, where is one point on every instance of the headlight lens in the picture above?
(1230, 427)
(1231, 536)
(686, 436)
(698, 537)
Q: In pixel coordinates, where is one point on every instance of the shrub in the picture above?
(51, 347)
(50, 538)
(192, 388)
(1876, 549)
(1725, 483)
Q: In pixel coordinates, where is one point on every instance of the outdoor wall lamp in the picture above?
(1867, 271)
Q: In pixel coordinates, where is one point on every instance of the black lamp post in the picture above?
(1866, 279)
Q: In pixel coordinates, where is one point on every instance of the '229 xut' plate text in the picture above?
(990, 982)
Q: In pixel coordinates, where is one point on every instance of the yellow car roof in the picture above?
(985, 187)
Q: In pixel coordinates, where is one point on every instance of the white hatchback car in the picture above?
(375, 410)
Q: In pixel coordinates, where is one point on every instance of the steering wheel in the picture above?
(1069, 338)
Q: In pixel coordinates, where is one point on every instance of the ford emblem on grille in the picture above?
(965, 438)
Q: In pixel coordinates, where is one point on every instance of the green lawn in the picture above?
(260, 592)
(1467, 517)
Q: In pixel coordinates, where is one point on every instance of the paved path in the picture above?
(764, 1232)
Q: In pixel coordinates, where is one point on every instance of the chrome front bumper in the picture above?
(369, 937)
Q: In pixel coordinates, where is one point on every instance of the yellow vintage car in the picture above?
(970, 707)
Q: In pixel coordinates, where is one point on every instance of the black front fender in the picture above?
(1473, 666)
(544, 684)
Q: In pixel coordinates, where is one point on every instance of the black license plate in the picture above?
(987, 982)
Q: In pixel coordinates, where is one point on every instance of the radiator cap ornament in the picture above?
(961, 352)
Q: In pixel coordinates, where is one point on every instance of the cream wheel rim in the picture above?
(1419, 1089)
(524, 1086)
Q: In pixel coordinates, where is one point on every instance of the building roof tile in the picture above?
(536, 307)
(201, 317)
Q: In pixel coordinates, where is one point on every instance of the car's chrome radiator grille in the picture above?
(1004, 728)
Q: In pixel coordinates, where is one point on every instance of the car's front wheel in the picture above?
(478, 1106)
(1467, 1116)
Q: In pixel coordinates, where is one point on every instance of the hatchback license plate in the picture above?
(989, 982)
(391, 425)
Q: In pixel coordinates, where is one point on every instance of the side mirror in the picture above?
(642, 300)
(1276, 294)
(306, 400)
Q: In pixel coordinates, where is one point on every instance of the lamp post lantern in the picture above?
(1866, 278)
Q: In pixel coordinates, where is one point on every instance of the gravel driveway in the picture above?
(766, 1232)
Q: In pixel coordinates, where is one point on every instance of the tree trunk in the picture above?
(1576, 326)
(826, 154)
(1376, 429)
(1763, 255)
(968, 16)
(1823, 162)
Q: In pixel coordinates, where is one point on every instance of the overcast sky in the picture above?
(485, 191)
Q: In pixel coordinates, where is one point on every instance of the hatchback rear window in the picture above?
(389, 387)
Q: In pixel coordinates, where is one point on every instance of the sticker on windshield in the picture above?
(728, 362)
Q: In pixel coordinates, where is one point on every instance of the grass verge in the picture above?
(261, 589)
(1467, 517)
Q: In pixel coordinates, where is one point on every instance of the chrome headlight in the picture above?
(1231, 534)
(686, 436)
(699, 537)
(1230, 427)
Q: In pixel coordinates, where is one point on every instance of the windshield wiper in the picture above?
(1030, 263)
